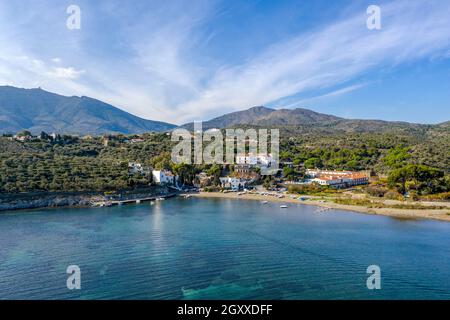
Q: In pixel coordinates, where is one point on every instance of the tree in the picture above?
(419, 178)
(185, 172)
(215, 171)
(24, 133)
(44, 136)
(312, 163)
(289, 173)
(162, 162)
(397, 157)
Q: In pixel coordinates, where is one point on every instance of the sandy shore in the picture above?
(443, 215)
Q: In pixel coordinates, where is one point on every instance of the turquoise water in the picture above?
(220, 249)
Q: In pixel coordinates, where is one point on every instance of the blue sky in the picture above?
(179, 61)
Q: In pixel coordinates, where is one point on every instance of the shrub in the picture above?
(393, 195)
(445, 196)
(377, 191)
(305, 188)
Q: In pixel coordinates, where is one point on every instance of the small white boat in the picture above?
(283, 206)
(160, 199)
(264, 202)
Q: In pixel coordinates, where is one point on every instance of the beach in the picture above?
(436, 214)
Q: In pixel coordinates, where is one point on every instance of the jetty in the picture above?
(110, 203)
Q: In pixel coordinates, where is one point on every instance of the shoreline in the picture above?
(434, 214)
(22, 202)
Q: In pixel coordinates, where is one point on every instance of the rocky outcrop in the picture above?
(42, 201)
(36, 200)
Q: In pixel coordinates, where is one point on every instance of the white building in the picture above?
(317, 172)
(339, 179)
(265, 160)
(23, 138)
(163, 177)
(328, 181)
(251, 159)
(134, 167)
(233, 183)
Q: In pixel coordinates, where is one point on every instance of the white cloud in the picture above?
(65, 73)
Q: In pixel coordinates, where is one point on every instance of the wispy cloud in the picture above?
(315, 99)
(65, 73)
(154, 64)
(329, 57)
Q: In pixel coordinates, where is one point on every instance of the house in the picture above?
(232, 183)
(338, 179)
(23, 138)
(332, 181)
(243, 169)
(317, 172)
(163, 177)
(137, 168)
(358, 178)
(265, 160)
(254, 160)
(137, 140)
(250, 159)
(202, 180)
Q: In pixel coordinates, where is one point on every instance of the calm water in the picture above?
(220, 249)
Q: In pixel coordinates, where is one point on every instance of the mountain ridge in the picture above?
(304, 118)
(38, 110)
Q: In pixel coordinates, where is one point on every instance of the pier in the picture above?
(110, 203)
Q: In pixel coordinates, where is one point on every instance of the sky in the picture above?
(179, 61)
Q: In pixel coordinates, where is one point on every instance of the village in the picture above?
(245, 175)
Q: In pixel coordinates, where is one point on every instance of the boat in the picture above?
(264, 202)
(283, 206)
(160, 199)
